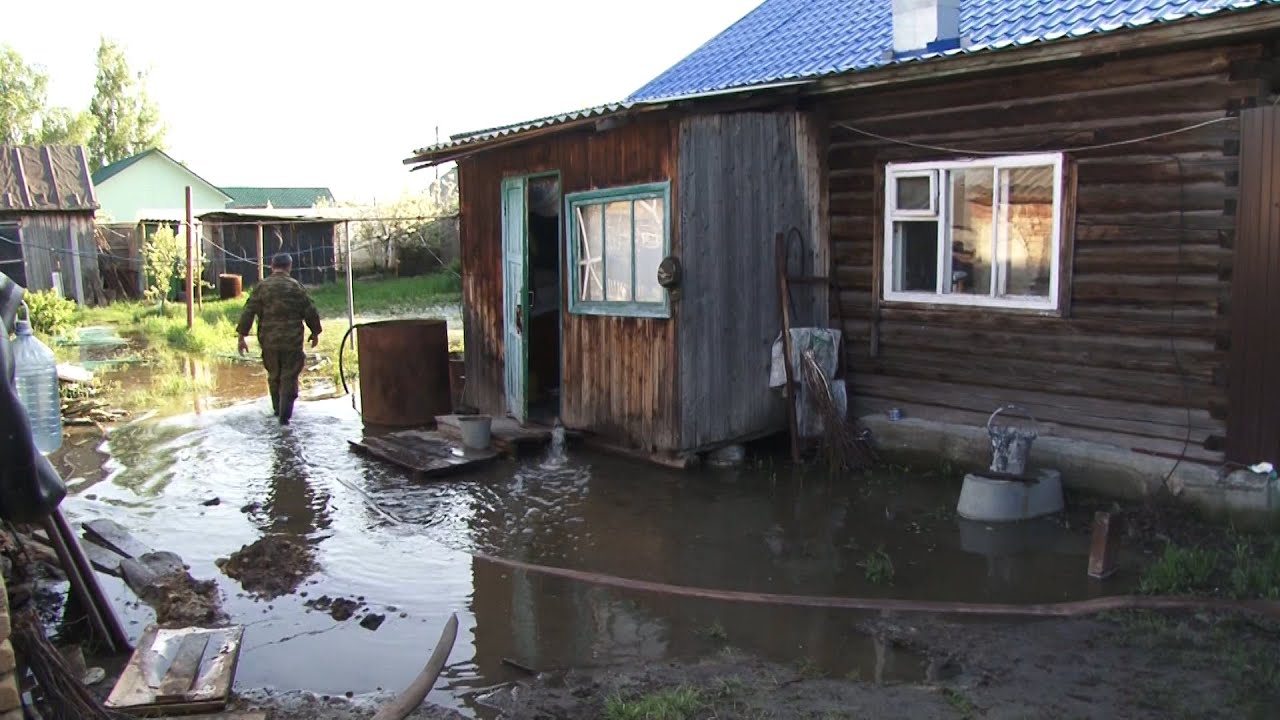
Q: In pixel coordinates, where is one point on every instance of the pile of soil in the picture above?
(272, 567)
(1131, 665)
(340, 609)
(182, 601)
(305, 706)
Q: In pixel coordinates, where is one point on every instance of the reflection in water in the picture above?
(742, 530)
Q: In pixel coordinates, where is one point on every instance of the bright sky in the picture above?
(285, 92)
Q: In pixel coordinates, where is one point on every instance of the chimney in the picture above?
(925, 25)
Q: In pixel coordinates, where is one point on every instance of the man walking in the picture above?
(281, 306)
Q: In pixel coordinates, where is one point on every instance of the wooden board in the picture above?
(113, 536)
(507, 436)
(427, 454)
(180, 671)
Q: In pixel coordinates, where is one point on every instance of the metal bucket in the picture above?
(476, 431)
(404, 372)
(1010, 446)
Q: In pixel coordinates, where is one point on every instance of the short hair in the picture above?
(282, 260)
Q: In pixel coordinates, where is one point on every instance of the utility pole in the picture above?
(260, 268)
(437, 168)
(191, 308)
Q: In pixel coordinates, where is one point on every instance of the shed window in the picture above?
(617, 238)
(976, 232)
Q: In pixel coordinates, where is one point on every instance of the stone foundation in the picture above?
(10, 698)
(1241, 496)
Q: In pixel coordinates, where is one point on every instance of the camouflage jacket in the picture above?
(281, 306)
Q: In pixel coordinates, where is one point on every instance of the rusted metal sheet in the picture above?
(44, 178)
(1253, 414)
(743, 178)
(1143, 338)
(404, 372)
(619, 374)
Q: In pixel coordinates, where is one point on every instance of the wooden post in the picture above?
(784, 295)
(351, 299)
(191, 308)
(261, 274)
(1106, 541)
(77, 278)
(198, 252)
(138, 252)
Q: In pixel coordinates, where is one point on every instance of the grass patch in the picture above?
(678, 704)
(1256, 571)
(389, 295)
(960, 702)
(878, 567)
(715, 632)
(1180, 571)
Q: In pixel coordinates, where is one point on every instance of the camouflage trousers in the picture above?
(283, 369)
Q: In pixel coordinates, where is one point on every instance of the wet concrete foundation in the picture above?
(1241, 496)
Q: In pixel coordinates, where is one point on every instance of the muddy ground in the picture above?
(1130, 665)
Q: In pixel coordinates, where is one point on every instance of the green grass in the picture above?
(678, 704)
(387, 296)
(878, 567)
(960, 702)
(1180, 571)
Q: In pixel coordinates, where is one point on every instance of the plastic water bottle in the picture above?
(36, 380)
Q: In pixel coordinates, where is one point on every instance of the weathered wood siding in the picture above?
(1253, 416)
(619, 374)
(744, 177)
(49, 240)
(1139, 359)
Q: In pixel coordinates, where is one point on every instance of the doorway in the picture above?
(532, 296)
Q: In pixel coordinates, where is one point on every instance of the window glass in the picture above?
(591, 252)
(970, 222)
(915, 193)
(617, 251)
(650, 217)
(1025, 233)
(916, 256)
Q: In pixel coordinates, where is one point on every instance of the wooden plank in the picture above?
(183, 669)
(102, 559)
(114, 536)
(426, 454)
(141, 687)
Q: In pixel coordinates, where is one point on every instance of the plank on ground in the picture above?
(167, 660)
(113, 536)
(426, 453)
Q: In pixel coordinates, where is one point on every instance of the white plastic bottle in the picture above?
(36, 380)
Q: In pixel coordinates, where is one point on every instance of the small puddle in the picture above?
(765, 529)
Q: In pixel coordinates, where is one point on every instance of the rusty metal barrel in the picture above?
(229, 286)
(404, 372)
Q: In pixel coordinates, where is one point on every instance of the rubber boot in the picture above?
(285, 412)
(275, 405)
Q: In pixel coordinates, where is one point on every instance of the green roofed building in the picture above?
(277, 197)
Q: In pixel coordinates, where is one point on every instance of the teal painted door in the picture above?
(514, 296)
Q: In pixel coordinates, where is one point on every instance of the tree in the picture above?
(127, 120)
(61, 126)
(162, 253)
(23, 89)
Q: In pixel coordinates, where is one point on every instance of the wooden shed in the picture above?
(242, 242)
(1035, 205)
(614, 278)
(47, 206)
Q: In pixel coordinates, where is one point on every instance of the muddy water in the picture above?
(765, 528)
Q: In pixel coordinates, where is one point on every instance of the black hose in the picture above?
(342, 368)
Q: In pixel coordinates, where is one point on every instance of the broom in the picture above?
(844, 446)
(65, 696)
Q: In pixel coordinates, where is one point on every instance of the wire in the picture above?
(998, 153)
(1173, 311)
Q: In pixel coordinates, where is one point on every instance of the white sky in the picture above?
(324, 93)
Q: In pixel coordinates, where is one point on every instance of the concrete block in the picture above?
(989, 500)
(8, 661)
(10, 699)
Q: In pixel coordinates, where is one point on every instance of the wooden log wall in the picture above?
(744, 177)
(1139, 358)
(49, 241)
(618, 373)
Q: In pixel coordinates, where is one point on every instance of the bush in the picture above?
(50, 314)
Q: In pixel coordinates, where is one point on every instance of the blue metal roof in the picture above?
(793, 39)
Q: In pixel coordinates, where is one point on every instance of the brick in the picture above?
(6, 628)
(13, 715)
(10, 699)
(8, 662)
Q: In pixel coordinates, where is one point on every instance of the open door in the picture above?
(515, 298)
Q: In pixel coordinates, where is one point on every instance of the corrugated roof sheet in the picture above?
(45, 178)
(462, 140)
(276, 197)
(791, 39)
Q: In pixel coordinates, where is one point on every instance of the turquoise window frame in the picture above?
(627, 308)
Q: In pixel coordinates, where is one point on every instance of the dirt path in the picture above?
(1136, 665)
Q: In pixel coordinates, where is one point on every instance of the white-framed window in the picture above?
(984, 232)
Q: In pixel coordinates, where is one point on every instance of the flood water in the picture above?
(406, 549)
